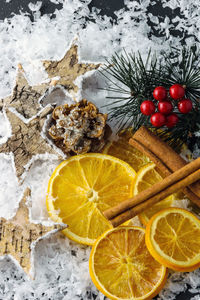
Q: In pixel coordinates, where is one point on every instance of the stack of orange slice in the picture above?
(126, 263)
(146, 171)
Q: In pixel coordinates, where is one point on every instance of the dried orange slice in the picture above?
(121, 266)
(173, 239)
(146, 177)
(123, 150)
(82, 187)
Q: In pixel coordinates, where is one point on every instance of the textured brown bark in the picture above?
(25, 98)
(18, 234)
(26, 140)
(68, 68)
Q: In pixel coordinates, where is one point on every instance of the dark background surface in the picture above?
(107, 8)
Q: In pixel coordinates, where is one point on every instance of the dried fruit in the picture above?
(146, 177)
(124, 151)
(79, 128)
(84, 186)
(173, 239)
(122, 268)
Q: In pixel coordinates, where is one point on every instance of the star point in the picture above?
(25, 98)
(68, 68)
(26, 140)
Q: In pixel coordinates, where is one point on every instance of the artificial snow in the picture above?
(5, 128)
(37, 180)
(10, 190)
(62, 266)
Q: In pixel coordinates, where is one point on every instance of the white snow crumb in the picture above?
(57, 1)
(62, 266)
(58, 96)
(36, 6)
(93, 90)
(37, 180)
(35, 72)
(10, 191)
(197, 297)
(5, 128)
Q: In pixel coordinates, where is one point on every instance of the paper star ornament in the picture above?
(68, 69)
(18, 236)
(26, 140)
(25, 98)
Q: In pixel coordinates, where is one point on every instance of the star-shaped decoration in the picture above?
(25, 98)
(18, 236)
(26, 140)
(68, 69)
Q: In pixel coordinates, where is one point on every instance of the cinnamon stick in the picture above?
(165, 158)
(160, 187)
(130, 213)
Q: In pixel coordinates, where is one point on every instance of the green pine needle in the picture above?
(132, 80)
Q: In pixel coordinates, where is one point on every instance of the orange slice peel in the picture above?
(173, 239)
(82, 187)
(121, 267)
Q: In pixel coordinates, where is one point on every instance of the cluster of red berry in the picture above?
(165, 116)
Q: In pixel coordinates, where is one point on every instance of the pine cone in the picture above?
(78, 128)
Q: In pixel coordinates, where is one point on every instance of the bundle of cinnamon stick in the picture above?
(179, 175)
(165, 158)
(128, 209)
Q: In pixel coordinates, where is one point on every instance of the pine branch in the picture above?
(139, 77)
(133, 79)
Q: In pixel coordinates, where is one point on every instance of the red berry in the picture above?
(172, 120)
(176, 91)
(165, 107)
(185, 106)
(160, 93)
(158, 119)
(147, 107)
